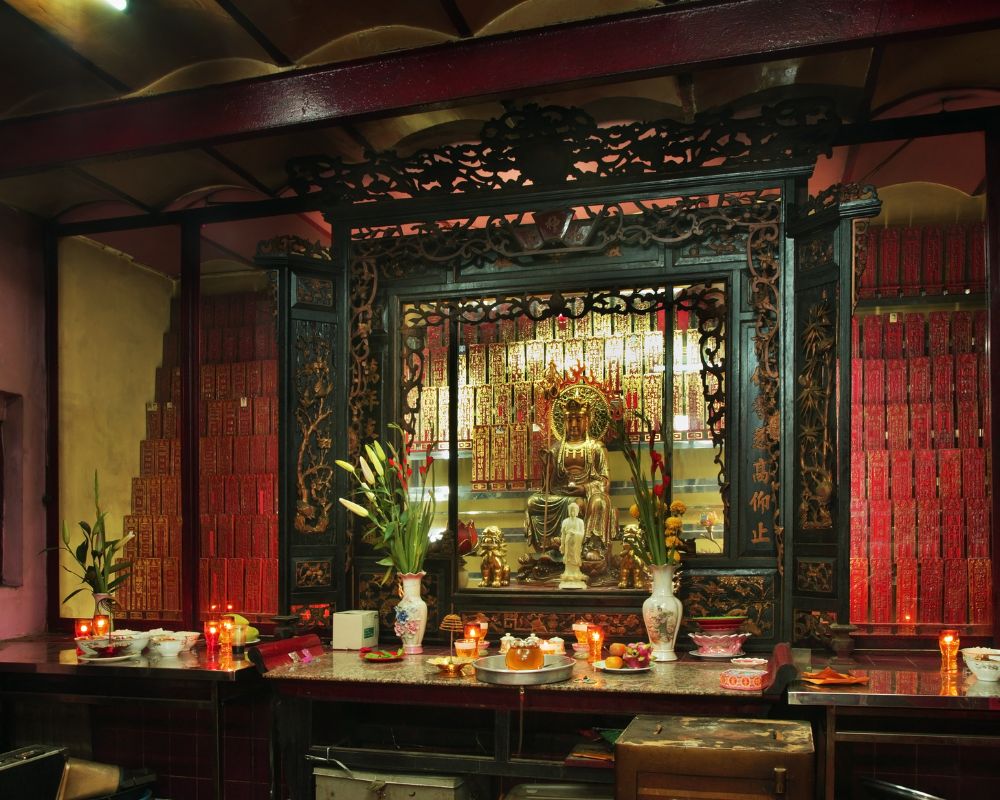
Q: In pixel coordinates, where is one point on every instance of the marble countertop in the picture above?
(898, 680)
(51, 654)
(687, 677)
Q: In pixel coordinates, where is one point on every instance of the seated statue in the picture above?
(575, 472)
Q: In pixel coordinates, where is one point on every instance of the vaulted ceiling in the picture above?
(62, 60)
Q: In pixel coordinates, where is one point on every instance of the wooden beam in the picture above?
(655, 42)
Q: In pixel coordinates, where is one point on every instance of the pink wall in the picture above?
(22, 372)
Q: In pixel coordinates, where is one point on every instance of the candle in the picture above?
(101, 625)
(212, 630)
(466, 648)
(948, 642)
(595, 638)
(82, 627)
(473, 630)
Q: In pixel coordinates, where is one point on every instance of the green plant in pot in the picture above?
(99, 559)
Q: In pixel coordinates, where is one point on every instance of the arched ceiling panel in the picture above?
(489, 17)
(48, 194)
(303, 27)
(219, 70)
(386, 134)
(150, 41)
(155, 181)
(373, 41)
(908, 68)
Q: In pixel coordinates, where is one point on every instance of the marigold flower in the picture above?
(674, 524)
(674, 541)
(678, 508)
(634, 511)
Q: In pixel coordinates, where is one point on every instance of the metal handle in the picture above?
(780, 778)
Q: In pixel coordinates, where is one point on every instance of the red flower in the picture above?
(658, 490)
(423, 470)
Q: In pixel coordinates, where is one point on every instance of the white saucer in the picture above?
(600, 665)
(107, 659)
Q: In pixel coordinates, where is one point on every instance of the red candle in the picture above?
(82, 627)
(473, 631)
(101, 625)
(212, 629)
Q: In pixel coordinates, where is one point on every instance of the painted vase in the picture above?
(662, 613)
(411, 614)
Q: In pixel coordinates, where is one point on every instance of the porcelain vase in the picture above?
(411, 614)
(662, 613)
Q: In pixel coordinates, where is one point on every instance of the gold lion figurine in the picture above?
(493, 549)
(631, 573)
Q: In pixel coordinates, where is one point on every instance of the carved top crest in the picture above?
(549, 146)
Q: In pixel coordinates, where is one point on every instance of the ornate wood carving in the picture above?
(314, 426)
(315, 292)
(544, 146)
(362, 392)
(753, 595)
(815, 575)
(812, 628)
(313, 573)
(313, 616)
(835, 195)
(763, 263)
(627, 625)
(289, 245)
(817, 441)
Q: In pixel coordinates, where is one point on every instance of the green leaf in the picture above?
(384, 562)
(85, 526)
(81, 553)
(120, 566)
(72, 594)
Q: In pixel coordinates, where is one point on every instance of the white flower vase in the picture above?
(411, 614)
(662, 613)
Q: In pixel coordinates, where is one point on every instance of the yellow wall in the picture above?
(112, 317)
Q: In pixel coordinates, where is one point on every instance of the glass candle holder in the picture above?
(473, 630)
(580, 632)
(101, 625)
(595, 640)
(467, 648)
(212, 630)
(82, 627)
(948, 643)
(238, 639)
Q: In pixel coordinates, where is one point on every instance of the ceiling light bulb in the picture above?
(117, 5)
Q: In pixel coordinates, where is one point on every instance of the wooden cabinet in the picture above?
(684, 758)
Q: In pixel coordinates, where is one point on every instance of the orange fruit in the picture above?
(614, 662)
(616, 649)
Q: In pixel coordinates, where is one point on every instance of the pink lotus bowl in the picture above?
(725, 644)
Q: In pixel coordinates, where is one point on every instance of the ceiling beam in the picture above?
(656, 42)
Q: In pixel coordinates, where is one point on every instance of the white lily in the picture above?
(366, 471)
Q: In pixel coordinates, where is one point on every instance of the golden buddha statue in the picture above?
(575, 472)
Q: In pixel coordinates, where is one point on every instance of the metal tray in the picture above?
(493, 669)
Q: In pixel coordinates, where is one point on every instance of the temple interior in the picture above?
(497, 398)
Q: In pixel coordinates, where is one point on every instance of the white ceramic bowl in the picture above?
(166, 646)
(86, 643)
(135, 641)
(979, 661)
(190, 638)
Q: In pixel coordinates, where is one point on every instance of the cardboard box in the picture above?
(353, 630)
(345, 784)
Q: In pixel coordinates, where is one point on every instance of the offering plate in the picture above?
(493, 669)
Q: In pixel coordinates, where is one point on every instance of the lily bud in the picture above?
(353, 507)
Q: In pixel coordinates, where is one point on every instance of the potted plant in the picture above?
(399, 510)
(101, 570)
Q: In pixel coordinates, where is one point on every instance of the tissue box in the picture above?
(353, 630)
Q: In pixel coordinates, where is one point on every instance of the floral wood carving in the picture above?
(551, 623)
(753, 596)
(545, 146)
(814, 575)
(817, 451)
(362, 394)
(812, 628)
(314, 426)
(762, 258)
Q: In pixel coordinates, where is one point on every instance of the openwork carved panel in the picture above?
(313, 405)
(835, 195)
(313, 616)
(763, 263)
(545, 146)
(817, 441)
(289, 245)
(362, 394)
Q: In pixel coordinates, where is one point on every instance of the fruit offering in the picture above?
(637, 655)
